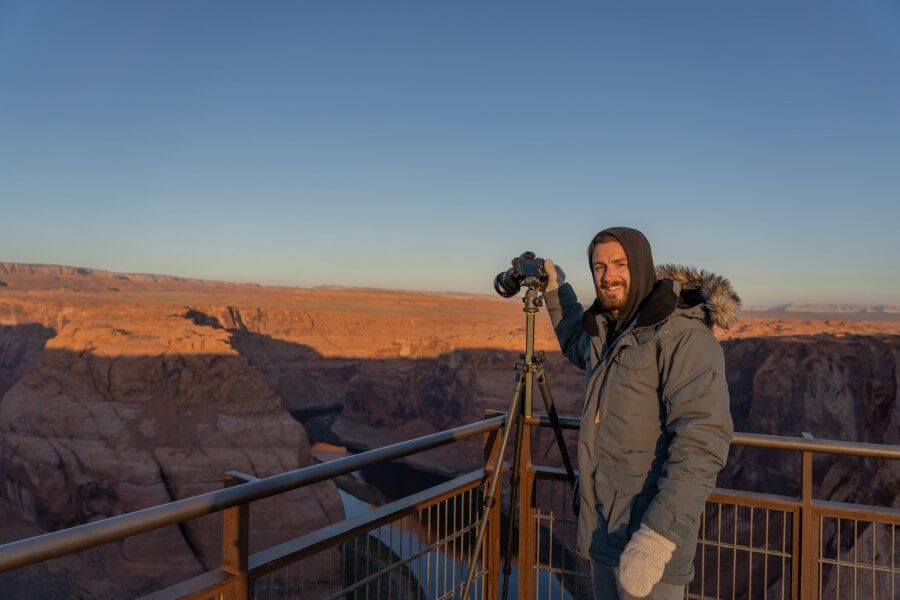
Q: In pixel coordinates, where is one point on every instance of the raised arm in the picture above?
(566, 316)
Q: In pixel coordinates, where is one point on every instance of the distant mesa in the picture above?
(825, 308)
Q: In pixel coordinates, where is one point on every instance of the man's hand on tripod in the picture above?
(555, 276)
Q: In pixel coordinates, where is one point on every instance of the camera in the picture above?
(527, 270)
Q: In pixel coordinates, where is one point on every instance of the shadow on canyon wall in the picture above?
(85, 436)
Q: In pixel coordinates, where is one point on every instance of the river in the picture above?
(434, 570)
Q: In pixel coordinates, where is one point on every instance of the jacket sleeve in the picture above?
(566, 316)
(698, 419)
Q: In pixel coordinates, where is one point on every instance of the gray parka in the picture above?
(656, 424)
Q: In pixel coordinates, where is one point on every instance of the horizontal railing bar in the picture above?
(857, 512)
(759, 440)
(743, 548)
(58, 543)
(542, 420)
(272, 559)
(545, 472)
(780, 442)
(755, 499)
(857, 565)
(205, 585)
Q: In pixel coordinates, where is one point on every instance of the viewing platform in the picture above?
(751, 545)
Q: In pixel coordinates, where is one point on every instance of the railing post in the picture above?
(809, 530)
(236, 539)
(491, 579)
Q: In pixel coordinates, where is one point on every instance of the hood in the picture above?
(678, 286)
(713, 293)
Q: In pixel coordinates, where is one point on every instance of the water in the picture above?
(436, 570)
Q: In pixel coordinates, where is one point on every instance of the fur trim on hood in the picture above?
(716, 295)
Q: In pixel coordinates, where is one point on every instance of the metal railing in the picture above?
(751, 545)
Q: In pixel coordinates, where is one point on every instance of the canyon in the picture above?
(122, 391)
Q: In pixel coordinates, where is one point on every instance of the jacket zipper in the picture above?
(605, 361)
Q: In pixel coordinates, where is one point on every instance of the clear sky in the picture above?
(423, 144)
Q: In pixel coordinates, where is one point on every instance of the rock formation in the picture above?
(123, 391)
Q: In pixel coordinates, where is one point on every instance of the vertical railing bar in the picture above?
(569, 515)
(783, 548)
(429, 550)
(734, 558)
(750, 558)
(412, 573)
(562, 533)
(837, 589)
(287, 580)
(468, 547)
(390, 565)
(550, 554)
(822, 554)
(561, 510)
(766, 561)
(376, 568)
(457, 540)
(855, 557)
(428, 584)
(565, 519)
(874, 525)
(446, 545)
(719, 554)
(466, 516)
(703, 552)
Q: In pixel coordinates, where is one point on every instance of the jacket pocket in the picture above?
(614, 508)
(637, 358)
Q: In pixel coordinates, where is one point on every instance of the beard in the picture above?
(613, 296)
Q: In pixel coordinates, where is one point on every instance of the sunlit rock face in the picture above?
(127, 405)
(124, 391)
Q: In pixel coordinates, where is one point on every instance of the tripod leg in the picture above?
(512, 418)
(554, 420)
(511, 507)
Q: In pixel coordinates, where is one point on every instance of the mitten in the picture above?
(643, 561)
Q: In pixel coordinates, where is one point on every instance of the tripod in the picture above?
(529, 370)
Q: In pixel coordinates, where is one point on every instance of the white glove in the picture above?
(643, 561)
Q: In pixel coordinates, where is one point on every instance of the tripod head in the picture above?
(533, 300)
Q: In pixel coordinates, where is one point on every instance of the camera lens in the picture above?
(506, 284)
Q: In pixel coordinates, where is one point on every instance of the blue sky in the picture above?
(422, 145)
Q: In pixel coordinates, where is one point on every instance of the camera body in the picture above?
(527, 270)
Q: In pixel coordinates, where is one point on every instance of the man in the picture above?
(656, 424)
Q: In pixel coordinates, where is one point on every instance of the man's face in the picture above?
(611, 276)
